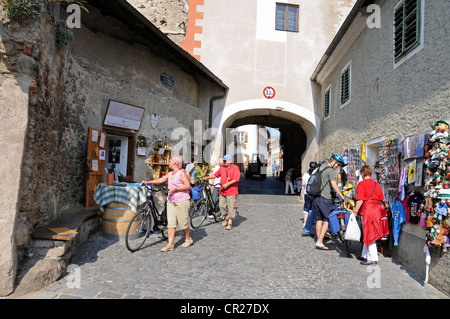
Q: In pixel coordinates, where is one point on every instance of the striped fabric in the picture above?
(131, 196)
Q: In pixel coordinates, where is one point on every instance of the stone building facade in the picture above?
(51, 95)
(169, 16)
(241, 42)
(388, 98)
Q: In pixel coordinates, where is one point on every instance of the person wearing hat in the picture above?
(323, 204)
(229, 175)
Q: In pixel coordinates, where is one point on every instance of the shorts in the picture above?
(228, 205)
(308, 206)
(178, 214)
(323, 208)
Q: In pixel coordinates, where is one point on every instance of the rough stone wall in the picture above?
(53, 175)
(63, 92)
(18, 90)
(74, 87)
(170, 16)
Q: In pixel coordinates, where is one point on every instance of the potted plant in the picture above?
(141, 145)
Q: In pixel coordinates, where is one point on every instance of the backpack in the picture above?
(314, 185)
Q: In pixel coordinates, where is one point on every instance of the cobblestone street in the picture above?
(263, 256)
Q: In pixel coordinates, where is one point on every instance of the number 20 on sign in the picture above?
(269, 92)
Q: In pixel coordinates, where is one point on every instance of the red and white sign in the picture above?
(269, 92)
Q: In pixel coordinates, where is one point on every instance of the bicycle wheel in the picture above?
(137, 231)
(163, 227)
(217, 214)
(198, 213)
(164, 234)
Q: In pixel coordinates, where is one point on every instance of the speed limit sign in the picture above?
(269, 92)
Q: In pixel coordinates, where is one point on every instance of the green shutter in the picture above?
(406, 27)
(345, 85)
(326, 104)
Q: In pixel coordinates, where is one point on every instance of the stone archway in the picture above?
(296, 122)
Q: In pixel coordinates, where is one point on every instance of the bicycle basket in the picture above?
(196, 192)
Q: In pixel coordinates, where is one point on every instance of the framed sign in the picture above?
(123, 115)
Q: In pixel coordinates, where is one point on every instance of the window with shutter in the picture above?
(345, 85)
(407, 27)
(326, 103)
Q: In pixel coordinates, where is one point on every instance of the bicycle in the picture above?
(203, 207)
(338, 223)
(139, 228)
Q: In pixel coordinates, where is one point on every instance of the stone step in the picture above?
(66, 226)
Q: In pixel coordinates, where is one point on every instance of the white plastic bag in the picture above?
(352, 233)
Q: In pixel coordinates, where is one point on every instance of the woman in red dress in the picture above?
(371, 205)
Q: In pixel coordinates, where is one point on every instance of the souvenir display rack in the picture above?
(392, 166)
(400, 168)
(437, 207)
(352, 156)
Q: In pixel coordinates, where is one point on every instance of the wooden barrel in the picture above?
(115, 220)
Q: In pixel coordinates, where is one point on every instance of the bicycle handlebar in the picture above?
(153, 190)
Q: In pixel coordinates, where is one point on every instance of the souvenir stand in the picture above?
(437, 197)
(352, 157)
(415, 175)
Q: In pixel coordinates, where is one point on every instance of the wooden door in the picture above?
(96, 154)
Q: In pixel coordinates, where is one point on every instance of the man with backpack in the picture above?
(326, 177)
(308, 206)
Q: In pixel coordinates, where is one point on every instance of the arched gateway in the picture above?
(298, 127)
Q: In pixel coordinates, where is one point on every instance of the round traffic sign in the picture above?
(269, 92)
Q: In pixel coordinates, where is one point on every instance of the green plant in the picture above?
(201, 171)
(63, 34)
(21, 9)
(141, 141)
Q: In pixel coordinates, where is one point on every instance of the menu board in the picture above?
(123, 115)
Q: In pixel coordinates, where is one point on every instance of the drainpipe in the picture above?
(211, 105)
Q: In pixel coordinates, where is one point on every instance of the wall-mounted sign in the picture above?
(167, 80)
(123, 115)
(269, 92)
(154, 120)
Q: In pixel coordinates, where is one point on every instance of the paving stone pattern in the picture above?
(263, 257)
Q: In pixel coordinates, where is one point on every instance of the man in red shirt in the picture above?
(229, 179)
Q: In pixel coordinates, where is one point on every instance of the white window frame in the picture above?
(349, 66)
(240, 136)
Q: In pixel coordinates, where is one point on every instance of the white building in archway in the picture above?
(255, 44)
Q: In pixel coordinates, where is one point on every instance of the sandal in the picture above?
(322, 247)
(167, 248)
(187, 244)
